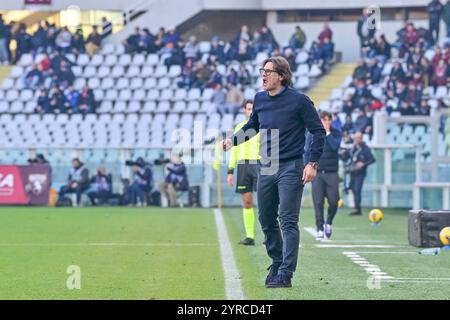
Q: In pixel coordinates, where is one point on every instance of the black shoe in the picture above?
(247, 242)
(355, 213)
(273, 272)
(280, 281)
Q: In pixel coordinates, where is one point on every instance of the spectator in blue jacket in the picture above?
(33, 78)
(73, 98)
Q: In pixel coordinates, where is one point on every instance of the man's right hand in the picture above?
(226, 144)
(230, 179)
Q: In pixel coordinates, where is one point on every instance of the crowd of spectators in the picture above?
(419, 69)
(47, 38)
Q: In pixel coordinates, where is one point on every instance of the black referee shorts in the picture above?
(247, 177)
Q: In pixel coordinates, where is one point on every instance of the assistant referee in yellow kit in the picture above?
(244, 158)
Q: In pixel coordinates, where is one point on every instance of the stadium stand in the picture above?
(140, 97)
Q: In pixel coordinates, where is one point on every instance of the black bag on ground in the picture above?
(154, 198)
(424, 227)
(194, 196)
(64, 202)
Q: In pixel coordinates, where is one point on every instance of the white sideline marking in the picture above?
(387, 252)
(311, 231)
(107, 244)
(375, 270)
(356, 243)
(357, 246)
(371, 269)
(233, 288)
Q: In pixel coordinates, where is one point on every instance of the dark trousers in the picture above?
(325, 185)
(101, 195)
(78, 191)
(137, 191)
(279, 197)
(356, 184)
(434, 29)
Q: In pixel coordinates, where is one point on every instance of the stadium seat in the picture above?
(107, 83)
(133, 72)
(17, 72)
(160, 71)
(83, 60)
(301, 57)
(136, 83)
(153, 95)
(150, 83)
(179, 106)
(134, 106)
(152, 59)
(138, 60)
(149, 106)
(89, 71)
(125, 95)
(77, 71)
(110, 60)
(166, 95)
(7, 84)
(138, 95)
(163, 106)
(122, 83)
(302, 83)
(26, 95)
(124, 60)
(163, 83)
(25, 60)
(94, 83)
(147, 71)
(207, 94)
(302, 70)
(174, 71)
(193, 106)
(108, 48)
(103, 72)
(117, 72)
(180, 94)
(96, 60)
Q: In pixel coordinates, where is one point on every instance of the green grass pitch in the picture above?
(153, 253)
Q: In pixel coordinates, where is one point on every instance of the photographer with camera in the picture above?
(361, 157)
(78, 181)
(176, 180)
(142, 184)
(40, 159)
(101, 187)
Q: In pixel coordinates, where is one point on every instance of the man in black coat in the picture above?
(361, 158)
(434, 9)
(326, 183)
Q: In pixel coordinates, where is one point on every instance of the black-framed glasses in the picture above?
(266, 72)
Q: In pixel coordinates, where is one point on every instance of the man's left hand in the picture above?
(309, 173)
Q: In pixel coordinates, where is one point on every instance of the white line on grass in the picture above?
(371, 269)
(233, 288)
(387, 252)
(312, 232)
(375, 271)
(108, 244)
(357, 246)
